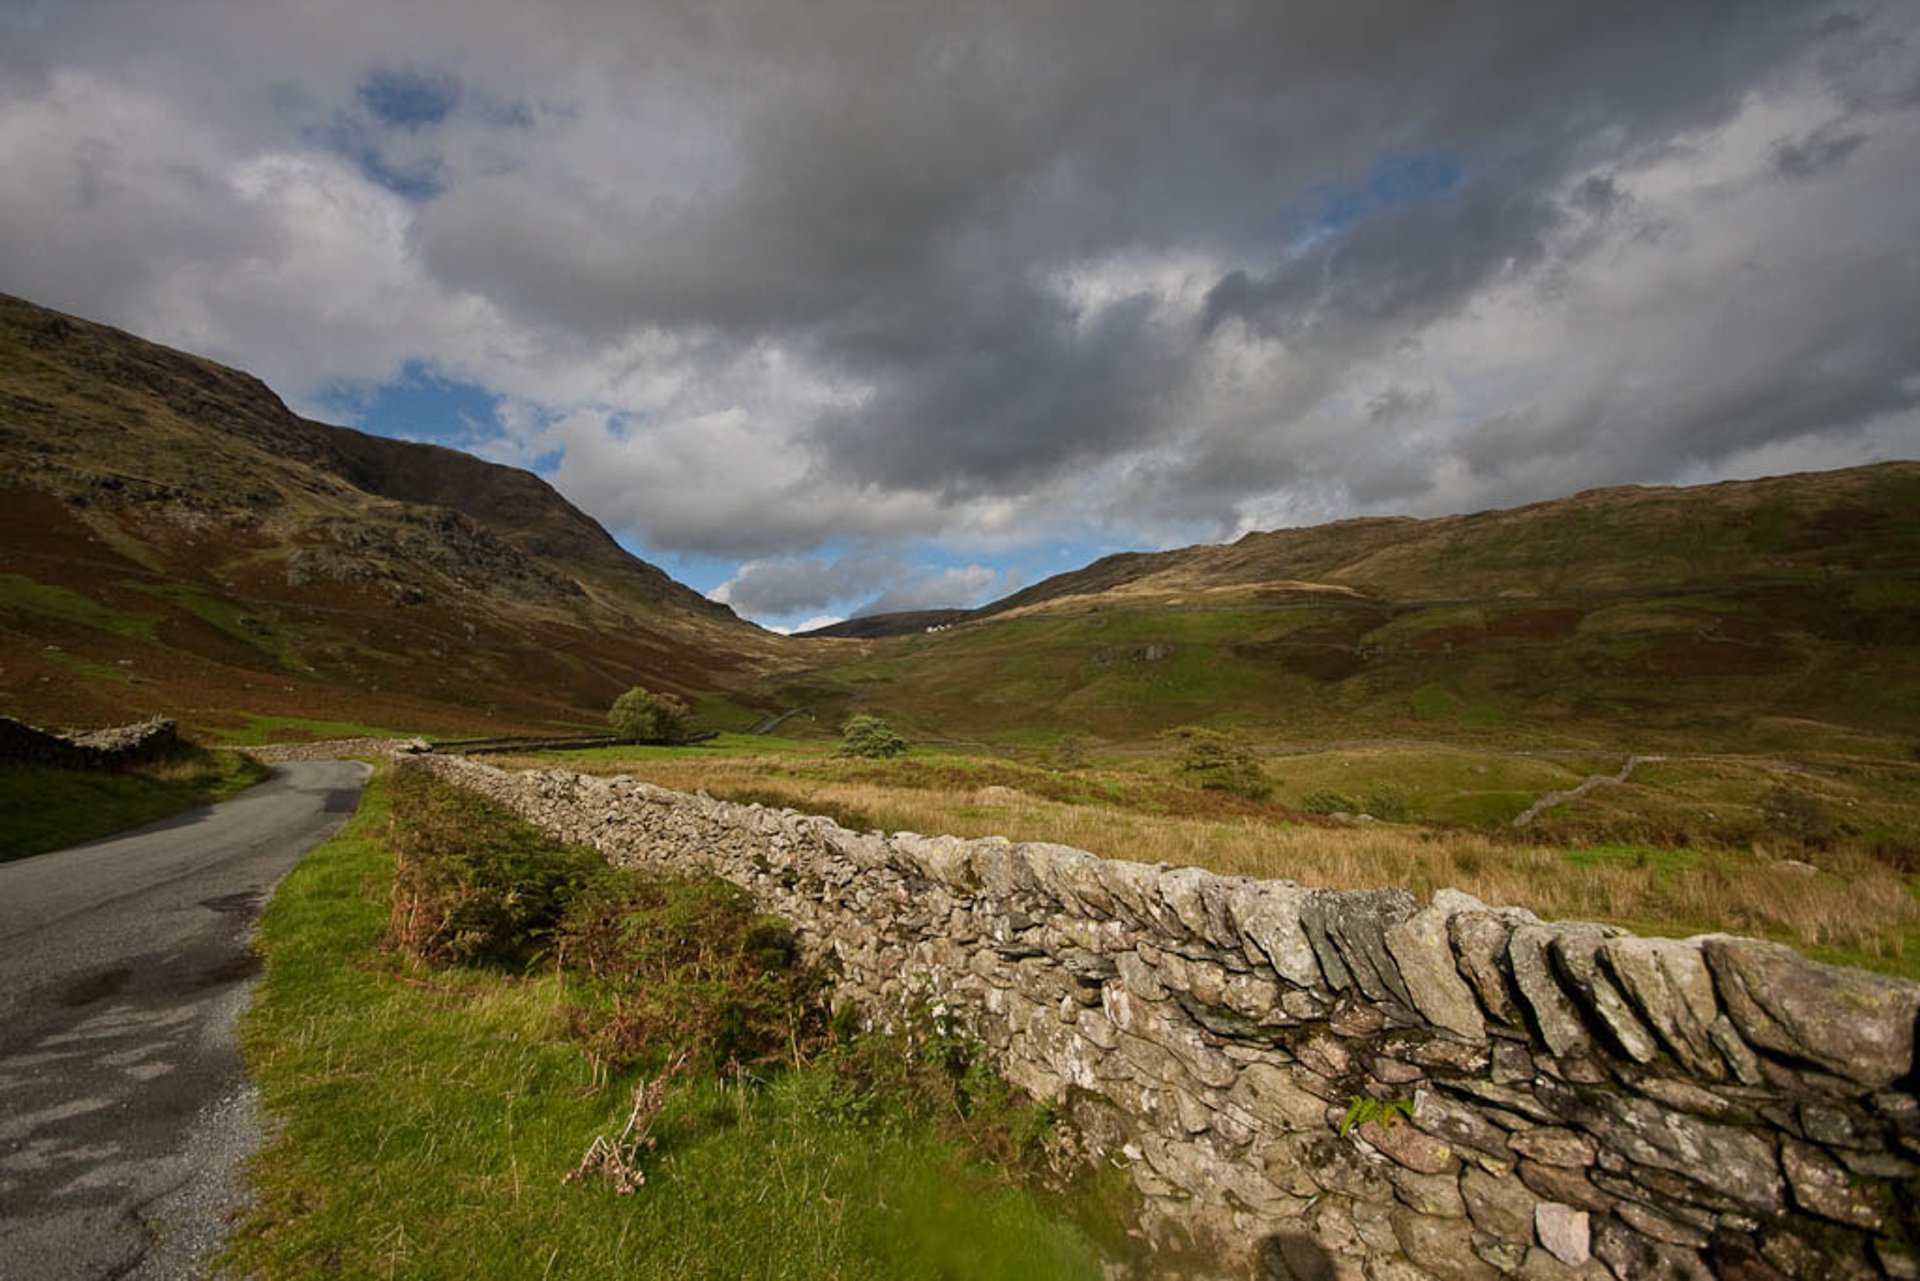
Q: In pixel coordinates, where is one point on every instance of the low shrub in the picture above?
(1070, 753)
(683, 965)
(1324, 800)
(1388, 802)
(871, 737)
(472, 882)
(1219, 762)
(1800, 816)
(924, 1070)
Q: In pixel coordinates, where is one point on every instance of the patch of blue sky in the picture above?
(421, 404)
(350, 136)
(408, 98)
(1395, 181)
(702, 573)
(899, 578)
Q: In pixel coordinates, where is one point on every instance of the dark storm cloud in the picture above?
(1396, 271)
(891, 193)
(1003, 405)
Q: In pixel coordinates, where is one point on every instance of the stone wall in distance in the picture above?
(105, 749)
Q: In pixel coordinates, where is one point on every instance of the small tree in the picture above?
(642, 716)
(1070, 752)
(872, 737)
(1220, 762)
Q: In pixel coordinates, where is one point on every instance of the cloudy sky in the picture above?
(837, 306)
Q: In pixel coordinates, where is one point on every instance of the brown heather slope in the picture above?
(173, 538)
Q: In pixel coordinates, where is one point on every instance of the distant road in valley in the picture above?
(124, 1110)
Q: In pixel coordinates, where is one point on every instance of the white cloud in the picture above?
(810, 624)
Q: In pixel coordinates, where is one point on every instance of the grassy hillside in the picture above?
(176, 540)
(1777, 615)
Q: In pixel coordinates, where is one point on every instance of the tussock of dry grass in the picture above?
(1852, 908)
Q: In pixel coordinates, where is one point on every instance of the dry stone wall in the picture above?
(333, 749)
(110, 749)
(1319, 1083)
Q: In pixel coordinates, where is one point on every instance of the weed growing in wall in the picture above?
(1361, 1109)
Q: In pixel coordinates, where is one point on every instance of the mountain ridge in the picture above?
(171, 517)
(1357, 554)
(1768, 613)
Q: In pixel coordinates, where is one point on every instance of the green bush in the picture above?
(1802, 816)
(642, 716)
(472, 882)
(1070, 752)
(1388, 802)
(1324, 800)
(871, 737)
(1219, 762)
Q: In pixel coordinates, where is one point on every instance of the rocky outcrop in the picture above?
(1321, 1083)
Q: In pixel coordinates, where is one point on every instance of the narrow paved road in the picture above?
(123, 1106)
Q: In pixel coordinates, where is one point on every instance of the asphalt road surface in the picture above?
(124, 1109)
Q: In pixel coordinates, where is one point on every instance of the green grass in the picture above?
(1660, 861)
(18, 592)
(86, 667)
(726, 744)
(717, 711)
(42, 808)
(274, 729)
(427, 1116)
(238, 623)
(1449, 786)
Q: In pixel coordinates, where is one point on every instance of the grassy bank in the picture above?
(1823, 858)
(430, 1110)
(42, 808)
